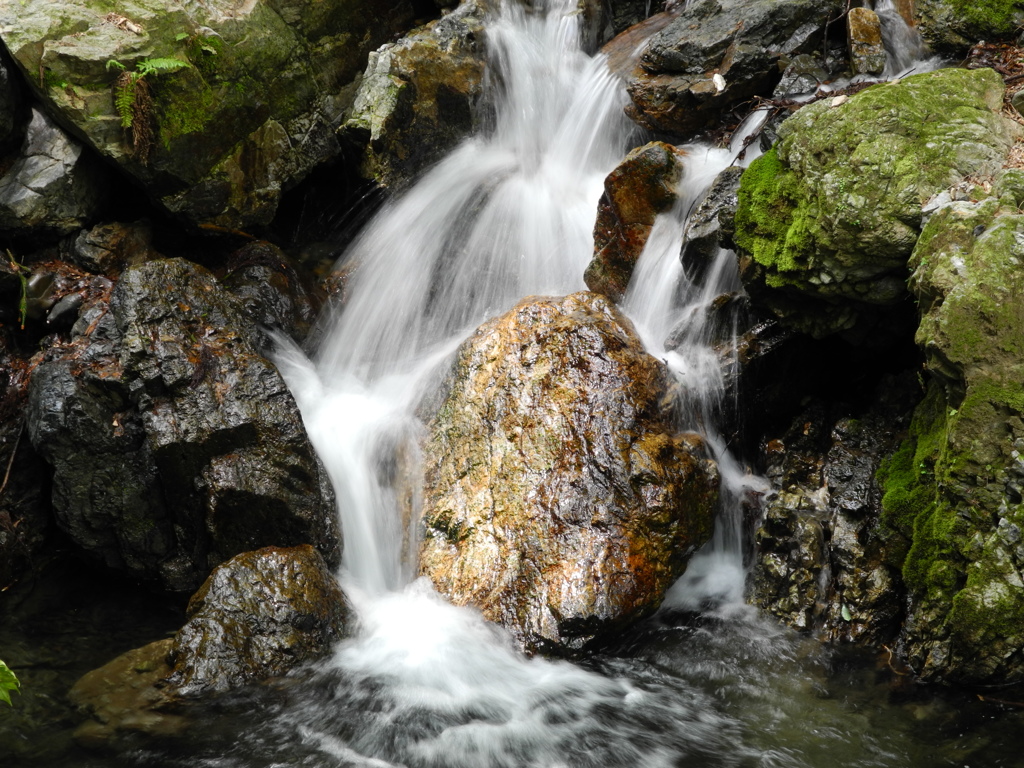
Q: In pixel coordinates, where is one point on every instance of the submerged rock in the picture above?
(641, 186)
(174, 444)
(742, 42)
(827, 219)
(559, 499)
(955, 488)
(52, 187)
(214, 106)
(418, 96)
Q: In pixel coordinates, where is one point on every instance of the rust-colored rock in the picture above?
(559, 499)
(864, 40)
(642, 186)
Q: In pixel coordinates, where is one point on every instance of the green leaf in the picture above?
(8, 683)
(847, 616)
(160, 66)
(115, 64)
(182, 36)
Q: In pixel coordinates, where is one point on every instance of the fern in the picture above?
(133, 101)
(124, 97)
(160, 66)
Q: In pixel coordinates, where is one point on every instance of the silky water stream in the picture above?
(425, 684)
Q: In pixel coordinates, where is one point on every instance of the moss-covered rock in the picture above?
(954, 492)
(952, 26)
(249, 109)
(827, 220)
(559, 499)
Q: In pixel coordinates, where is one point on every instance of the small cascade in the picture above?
(905, 50)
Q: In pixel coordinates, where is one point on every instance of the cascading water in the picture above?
(427, 684)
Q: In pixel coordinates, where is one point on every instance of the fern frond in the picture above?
(160, 66)
(124, 97)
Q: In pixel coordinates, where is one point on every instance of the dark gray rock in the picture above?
(802, 75)
(175, 445)
(106, 249)
(52, 187)
(703, 235)
(743, 42)
(258, 615)
(10, 106)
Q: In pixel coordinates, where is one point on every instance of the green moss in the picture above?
(995, 18)
(772, 219)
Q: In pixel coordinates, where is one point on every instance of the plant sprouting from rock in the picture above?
(8, 683)
(133, 99)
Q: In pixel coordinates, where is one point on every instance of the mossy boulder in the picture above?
(249, 110)
(559, 499)
(951, 27)
(955, 488)
(828, 218)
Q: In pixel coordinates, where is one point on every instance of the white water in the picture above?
(505, 216)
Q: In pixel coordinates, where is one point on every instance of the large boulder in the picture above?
(641, 186)
(418, 97)
(559, 499)
(53, 187)
(249, 108)
(718, 53)
(174, 443)
(827, 219)
(955, 487)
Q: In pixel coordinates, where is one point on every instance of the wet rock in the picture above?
(742, 42)
(802, 75)
(559, 499)
(951, 27)
(10, 107)
(827, 219)
(953, 489)
(106, 249)
(275, 293)
(715, 213)
(250, 109)
(52, 188)
(258, 615)
(864, 40)
(174, 444)
(623, 14)
(824, 564)
(642, 186)
(418, 97)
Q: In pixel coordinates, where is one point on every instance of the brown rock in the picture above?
(642, 186)
(559, 499)
(864, 40)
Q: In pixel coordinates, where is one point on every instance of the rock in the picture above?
(250, 109)
(258, 615)
(126, 698)
(276, 294)
(951, 27)
(743, 41)
(559, 500)
(954, 487)
(623, 14)
(823, 563)
(10, 107)
(703, 235)
(827, 219)
(864, 40)
(52, 188)
(106, 249)
(641, 186)
(418, 97)
(803, 74)
(174, 444)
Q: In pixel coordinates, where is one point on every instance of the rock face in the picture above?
(823, 563)
(257, 616)
(174, 444)
(743, 41)
(250, 108)
(955, 488)
(707, 227)
(559, 500)
(51, 188)
(951, 27)
(827, 219)
(418, 97)
(642, 186)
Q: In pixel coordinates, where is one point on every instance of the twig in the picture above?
(10, 461)
(889, 663)
(1004, 702)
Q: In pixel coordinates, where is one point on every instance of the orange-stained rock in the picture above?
(559, 499)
